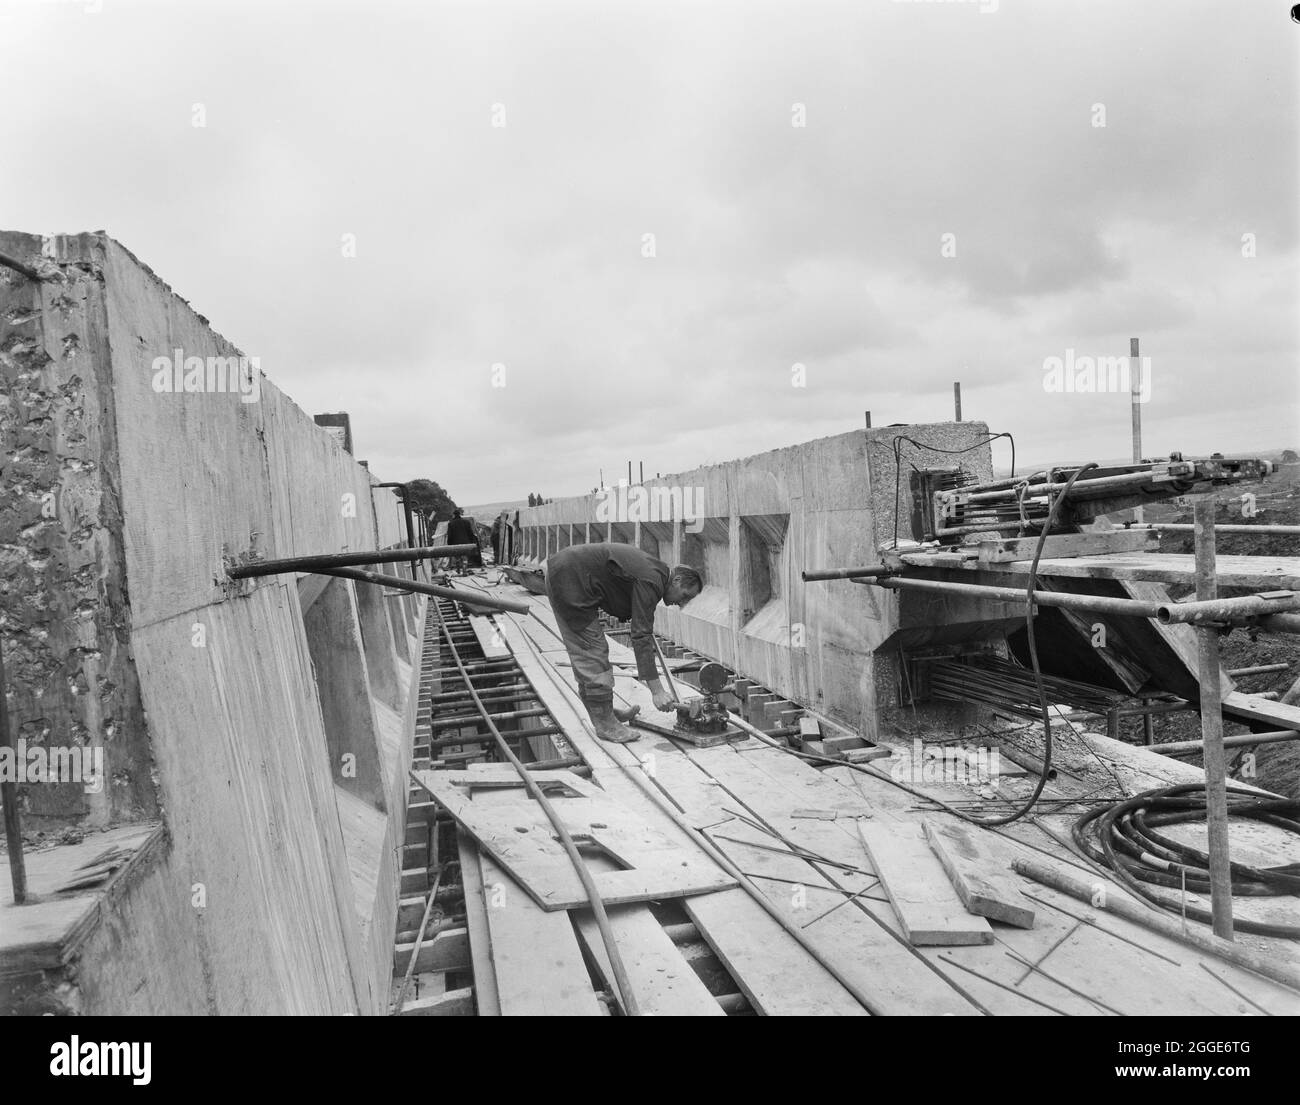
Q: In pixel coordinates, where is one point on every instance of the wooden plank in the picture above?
(454, 1003)
(662, 981)
(445, 951)
(776, 974)
(536, 960)
(779, 978)
(1063, 545)
(489, 638)
(480, 946)
(983, 888)
(1253, 573)
(860, 940)
(516, 832)
(1265, 710)
(927, 906)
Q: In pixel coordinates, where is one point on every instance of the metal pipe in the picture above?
(1210, 611)
(846, 573)
(492, 602)
(9, 796)
(19, 266)
(1187, 527)
(1097, 604)
(1123, 479)
(1243, 740)
(1216, 762)
(1280, 623)
(1098, 896)
(341, 560)
(1259, 669)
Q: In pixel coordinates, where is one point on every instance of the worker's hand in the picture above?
(661, 698)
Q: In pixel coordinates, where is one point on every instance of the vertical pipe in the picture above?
(956, 397)
(640, 471)
(629, 473)
(868, 414)
(1216, 796)
(1135, 389)
(9, 796)
(1148, 729)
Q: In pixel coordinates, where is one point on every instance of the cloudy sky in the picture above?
(496, 170)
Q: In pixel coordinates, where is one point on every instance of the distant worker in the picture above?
(621, 580)
(460, 531)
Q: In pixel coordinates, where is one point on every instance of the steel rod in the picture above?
(492, 602)
(1109, 899)
(1187, 527)
(1242, 740)
(845, 573)
(342, 560)
(1099, 604)
(1215, 610)
(1259, 669)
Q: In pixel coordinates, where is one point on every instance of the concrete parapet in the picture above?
(751, 526)
(143, 454)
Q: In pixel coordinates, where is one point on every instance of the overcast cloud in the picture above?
(522, 244)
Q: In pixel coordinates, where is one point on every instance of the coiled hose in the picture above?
(1124, 837)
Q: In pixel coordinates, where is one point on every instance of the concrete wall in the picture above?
(756, 524)
(278, 889)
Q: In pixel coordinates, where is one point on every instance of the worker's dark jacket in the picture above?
(618, 579)
(460, 531)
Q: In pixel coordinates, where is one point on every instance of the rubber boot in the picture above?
(601, 711)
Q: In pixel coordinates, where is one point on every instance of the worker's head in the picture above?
(457, 512)
(683, 585)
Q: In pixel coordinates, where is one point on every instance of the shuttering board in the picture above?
(515, 831)
(779, 977)
(489, 638)
(480, 948)
(857, 938)
(766, 961)
(776, 974)
(663, 983)
(984, 888)
(536, 960)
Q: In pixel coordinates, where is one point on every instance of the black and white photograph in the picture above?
(652, 508)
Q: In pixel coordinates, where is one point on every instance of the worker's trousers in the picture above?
(584, 639)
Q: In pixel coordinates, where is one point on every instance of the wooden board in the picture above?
(515, 831)
(983, 888)
(1263, 710)
(480, 946)
(662, 981)
(489, 637)
(536, 960)
(1254, 573)
(927, 907)
(1069, 545)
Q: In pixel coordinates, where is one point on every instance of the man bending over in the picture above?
(621, 580)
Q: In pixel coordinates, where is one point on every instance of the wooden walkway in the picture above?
(796, 833)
